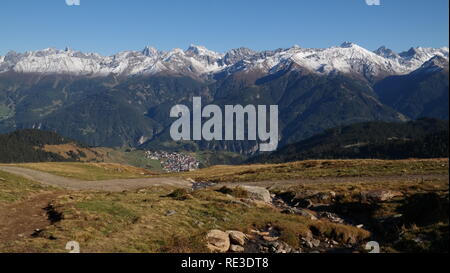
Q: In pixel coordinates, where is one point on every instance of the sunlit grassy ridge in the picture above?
(249, 173)
(125, 156)
(89, 171)
(319, 168)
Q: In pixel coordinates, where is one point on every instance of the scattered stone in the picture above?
(323, 196)
(289, 211)
(198, 223)
(309, 244)
(236, 249)
(270, 238)
(379, 195)
(218, 241)
(237, 237)
(263, 249)
(307, 214)
(331, 217)
(170, 213)
(280, 247)
(261, 233)
(315, 243)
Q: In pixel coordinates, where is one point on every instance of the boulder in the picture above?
(379, 195)
(236, 249)
(237, 237)
(218, 241)
(258, 193)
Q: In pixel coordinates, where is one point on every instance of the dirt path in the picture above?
(118, 185)
(22, 219)
(115, 185)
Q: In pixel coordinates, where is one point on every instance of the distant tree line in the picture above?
(26, 146)
(424, 138)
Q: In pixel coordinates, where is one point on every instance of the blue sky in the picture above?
(109, 26)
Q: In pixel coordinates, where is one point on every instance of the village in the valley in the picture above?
(174, 162)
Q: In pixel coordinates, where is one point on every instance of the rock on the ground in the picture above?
(280, 247)
(270, 238)
(306, 213)
(258, 193)
(315, 243)
(236, 249)
(237, 237)
(331, 217)
(379, 195)
(218, 241)
(170, 213)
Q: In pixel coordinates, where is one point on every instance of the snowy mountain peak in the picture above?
(348, 44)
(385, 52)
(437, 63)
(198, 61)
(201, 51)
(239, 54)
(410, 53)
(150, 51)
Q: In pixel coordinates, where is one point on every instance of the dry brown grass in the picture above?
(318, 169)
(86, 155)
(88, 171)
(138, 222)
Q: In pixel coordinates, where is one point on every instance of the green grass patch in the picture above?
(16, 188)
(89, 171)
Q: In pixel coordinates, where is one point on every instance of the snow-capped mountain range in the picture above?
(198, 61)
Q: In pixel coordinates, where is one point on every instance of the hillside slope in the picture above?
(29, 146)
(424, 138)
(422, 93)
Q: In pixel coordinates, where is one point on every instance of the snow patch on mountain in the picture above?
(435, 64)
(199, 61)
